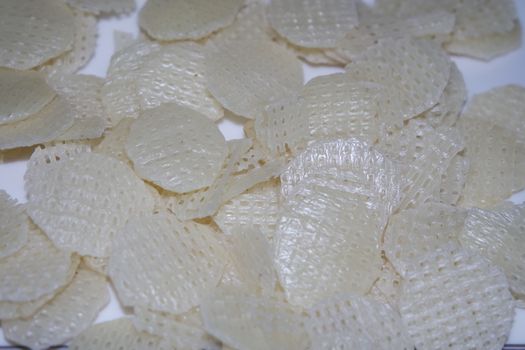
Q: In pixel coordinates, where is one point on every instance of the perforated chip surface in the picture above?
(245, 75)
(176, 147)
(497, 235)
(97, 7)
(313, 23)
(177, 74)
(178, 19)
(22, 94)
(82, 202)
(453, 180)
(347, 321)
(387, 287)
(14, 225)
(453, 299)
(113, 143)
(34, 31)
(144, 253)
(67, 315)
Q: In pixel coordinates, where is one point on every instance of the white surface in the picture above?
(479, 76)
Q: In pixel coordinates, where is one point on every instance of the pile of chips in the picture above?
(363, 210)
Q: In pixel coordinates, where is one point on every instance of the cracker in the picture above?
(453, 180)
(113, 143)
(14, 225)
(93, 263)
(388, 286)
(97, 7)
(34, 32)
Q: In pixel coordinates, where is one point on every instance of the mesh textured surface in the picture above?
(14, 225)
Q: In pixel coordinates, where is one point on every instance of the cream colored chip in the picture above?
(33, 32)
(413, 72)
(84, 46)
(82, 92)
(453, 180)
(99, 265)
(67, 315)
(122, 39)
(313, 23)
(36, 270)
(83, 201)
(14, 225)
(97, 7)
(22, 94)
(176, 148)
(248, 322)
(115, 335)
(182, 331)
(44, 126)
(347, 321)
(497, 235)
(152, 247)
(245, 75)
(113, 143)
(455, 300)
(419, 231)
(316, 57)
(50, 154)
(177, 74)
(182, 19)
(387, 287)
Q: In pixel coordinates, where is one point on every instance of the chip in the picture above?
(22, 94)
(419, 231)
(387, 287)
(179, 19)
(154, 246)
(49, 154)
(93, 263)
(36, 270)
(177, 74)
(97, 7)
(455, 300)
(453, 180)
(176, 148)
(315, 57)
(497, 235)
(33, 32)
(248, 322)
(113, 143)
(14, 225)
(313, 23)
(245, 75)
(81, 202)
(67, 315)
(347, 321)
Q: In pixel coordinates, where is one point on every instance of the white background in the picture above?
(479, 77)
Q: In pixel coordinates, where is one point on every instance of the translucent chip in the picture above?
(455, 300)
(43, 126)
(34, 32)
(82, 92)
(67, 315)
(113, 143)
(419, 231)
(22, 94)
(14, 225)
(453, 180)
(155, 246)
(36, 270)
(49, 154)
(97, 7)
(177, 74)
(245, 75)
(413, 72)
(176, 148)
(497, 235)
(115, 335)
(347, 321)
(81, 202)
(178, 19)
(247, 322)
(313, 23)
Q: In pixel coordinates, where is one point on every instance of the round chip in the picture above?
(187, 19)
(313, 23)
(22, 94)
(451, 299)
(83, 201)
(34, 31)
(14, 225)
(97, 7)
(176, 147)
(67, 315)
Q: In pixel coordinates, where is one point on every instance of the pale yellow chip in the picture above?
(177, 148)
(113, 143)
(22, 94)
(313, 23)
(97, 7)
(455, 300)
(152, 247)
(34, 32)
(182, 19)
(497, 235)
(93, 263)
(93, 196)
(49, 154)
(67, 315)
(177, 74)
(387, 287)
(14, 225)
(453, 180)
(245, 75)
